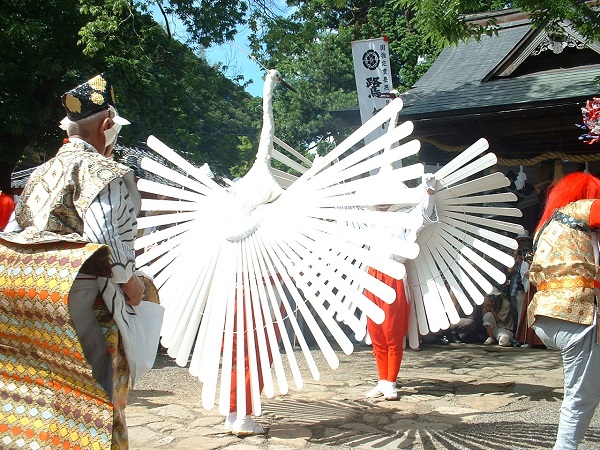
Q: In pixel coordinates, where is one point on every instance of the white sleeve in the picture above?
(12, 225)
(111, 220)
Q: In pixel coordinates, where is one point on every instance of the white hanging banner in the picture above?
(373, 79)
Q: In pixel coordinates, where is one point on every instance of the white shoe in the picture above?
(374, 393)
(229, 420)
(390, 392)
(246, 426)
(489, 341)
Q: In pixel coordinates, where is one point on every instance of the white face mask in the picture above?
(111, 135)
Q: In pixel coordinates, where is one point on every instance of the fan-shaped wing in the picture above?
(465, 251)
(250, 287)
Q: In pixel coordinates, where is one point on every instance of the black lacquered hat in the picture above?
(88, 98)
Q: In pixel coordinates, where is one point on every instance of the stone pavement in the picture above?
(460, 396)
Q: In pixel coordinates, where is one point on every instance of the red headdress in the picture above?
(573, 187)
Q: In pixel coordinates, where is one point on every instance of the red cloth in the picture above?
(388, 338)
(233, 394)
(595, 214)
(7, 206)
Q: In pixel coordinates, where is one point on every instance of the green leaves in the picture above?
(444, 22)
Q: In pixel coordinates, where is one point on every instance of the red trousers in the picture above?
(388, 338)
(233, 394)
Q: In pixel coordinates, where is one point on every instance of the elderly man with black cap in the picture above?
(73, 328)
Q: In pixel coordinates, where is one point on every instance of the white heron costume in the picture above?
(258, 257)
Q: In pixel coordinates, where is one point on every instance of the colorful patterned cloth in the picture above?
(564, 268)
(60, 191)
(49, 396)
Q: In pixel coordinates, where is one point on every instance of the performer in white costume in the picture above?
(211, 266)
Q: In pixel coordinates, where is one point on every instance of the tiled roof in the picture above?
(494, 96)
(470, 62)
(132, 157)
(19, 178)
(461, 82)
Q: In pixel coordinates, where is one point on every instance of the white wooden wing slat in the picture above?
(483, 233)
(292, 151)
(436, 316)
(353, 272)
(169, 154)
(505, 197)
(339, 280)
(281, 295)
(352, 235)
(465, 264)
(490, 182)
(484, 210)
(275, 255)
(162, 235)
(473, 168)
(417, 297)
(489, 250)
(389, 112)
(485, 222)
(251, 329)
(356, 164)
(165, 219)
(270, 303)
(227, 351)
(366, 158)
(149, 204)
(284, 179)
(193, 185)
(413, 330)
(451, 257)
(165, 253)
(312, 265)
(152, 187)
(463, 158)
(257, 280)
(449, 276)
(433, 273)
(277, 155)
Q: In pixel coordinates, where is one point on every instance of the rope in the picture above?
(523, 161)
(546, 156)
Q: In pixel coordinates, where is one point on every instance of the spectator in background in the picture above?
(498, 319)
(518, 282)
(469, 328)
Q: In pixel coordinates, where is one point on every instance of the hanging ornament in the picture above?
(521, 178)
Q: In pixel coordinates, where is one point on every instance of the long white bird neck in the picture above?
(265, 146)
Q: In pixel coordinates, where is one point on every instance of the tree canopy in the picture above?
(162, 86)
(446, 21)
(165, 86)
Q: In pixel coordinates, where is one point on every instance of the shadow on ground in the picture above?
(364, 424)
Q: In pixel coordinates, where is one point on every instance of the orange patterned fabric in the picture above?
(564, 267)
(566, 282)
(49, 398)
